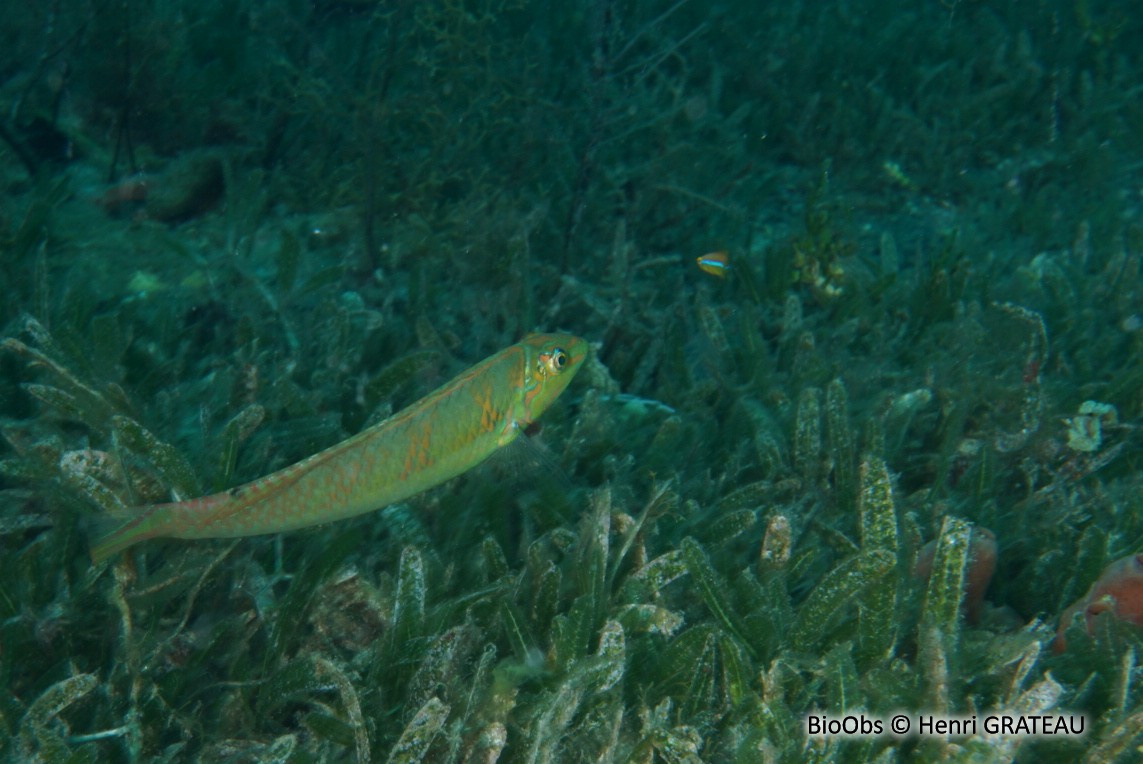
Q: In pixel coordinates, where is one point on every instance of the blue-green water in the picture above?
(863, 469)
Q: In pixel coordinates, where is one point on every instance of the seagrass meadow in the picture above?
(859, 431)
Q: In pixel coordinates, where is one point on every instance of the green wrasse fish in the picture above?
(440, 436)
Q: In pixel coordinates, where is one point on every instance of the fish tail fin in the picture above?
(113, 532)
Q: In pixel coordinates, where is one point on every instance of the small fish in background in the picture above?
(1118, 591)
(714, 263)
(186, 188)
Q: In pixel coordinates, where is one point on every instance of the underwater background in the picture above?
(859, 458)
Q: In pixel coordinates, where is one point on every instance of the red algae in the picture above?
(1119, 591)
(128, 193)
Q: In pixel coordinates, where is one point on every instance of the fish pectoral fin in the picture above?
(109, 533)
(531, 466)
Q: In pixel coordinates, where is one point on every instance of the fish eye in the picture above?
(554, 362)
